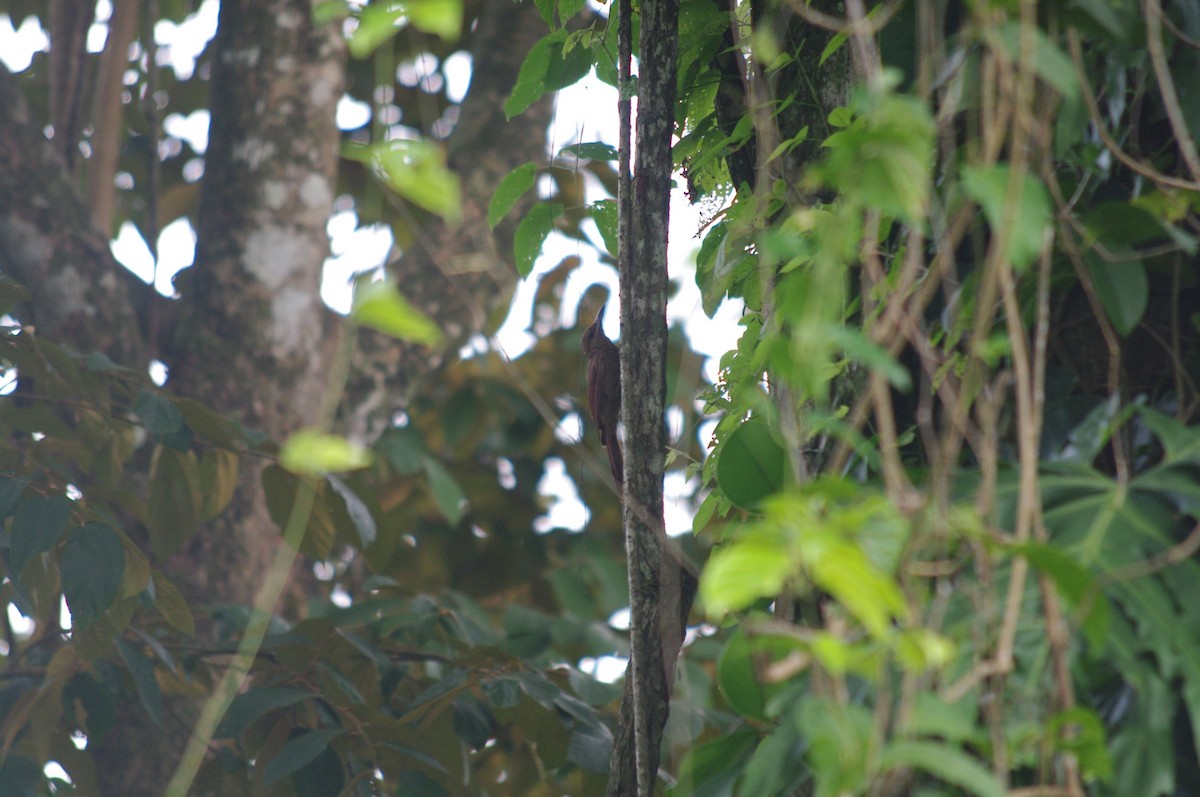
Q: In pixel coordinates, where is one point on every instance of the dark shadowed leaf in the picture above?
(446, 492)
(144, 679)
(531, 234)
(175, 499)
(10, 493)
(751, 466)
(162, 419)
(93, 564)
(249, 706)
(38, 523)
(590, 746)
(511, 188)
(299, 751)
(418, 784)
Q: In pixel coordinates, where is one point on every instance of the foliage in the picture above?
(951, 490)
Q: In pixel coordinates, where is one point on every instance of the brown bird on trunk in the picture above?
(604, 390)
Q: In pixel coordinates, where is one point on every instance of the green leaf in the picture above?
(11, 293)
(300, 750)
(442, 18)
(737, 676)
(380, 21)
(1076, 586)
(21, 777)
(592, 151)
(218, 480)
(174, 502)
(550, 66)
(144, 679)
(884, 158)
(415, 783)
(314, 453)
(604, 213)
(1079, 731)
(250, 706)
(1028, 221)
(590, 746)
(531, 234)
(1123, 290)
(741, 573)
(381, 306)
(93, 564)
(511, 188)
(943, 761)
(403, 448)
(843, 570)
(751, 465)
(446, 492)
(162, 419)
(171, 605)
(38, 523)
(10, 494)
(839, 744)
(417, 171)
(359, 514)
(712, 767)
(471, 721)
(1052, 64)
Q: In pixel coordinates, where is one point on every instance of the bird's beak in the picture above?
(599, 322)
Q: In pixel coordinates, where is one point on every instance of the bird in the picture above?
(604, 390)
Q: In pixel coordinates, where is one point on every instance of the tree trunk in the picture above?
(253, 340)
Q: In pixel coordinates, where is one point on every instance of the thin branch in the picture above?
(1166, 87)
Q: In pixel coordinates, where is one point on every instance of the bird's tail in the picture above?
(615, 461)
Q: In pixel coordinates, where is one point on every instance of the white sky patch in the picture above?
(53, 769)
(180, 45)
(457, 69)
(176, 251)
(21, 625)
(606, 669)
(192, 128)
(17, 46)
(97, 34)
(131, 251)
(566, 509)
(351, 113)
(355, 250)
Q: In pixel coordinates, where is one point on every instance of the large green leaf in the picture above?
(946, 762)
(144, 680)
(299, 751)
(511, 188)
(250, 706)
(37, 525)
(752, 465)
(550, 66)
(163, 419)
(1123, 290)
(175, 502)
(1024, 224)
(531, 234)
(381, 306)
(93, 564)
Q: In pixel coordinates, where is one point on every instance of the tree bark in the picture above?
(655, 594)
(253, 340)
(79, 295)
